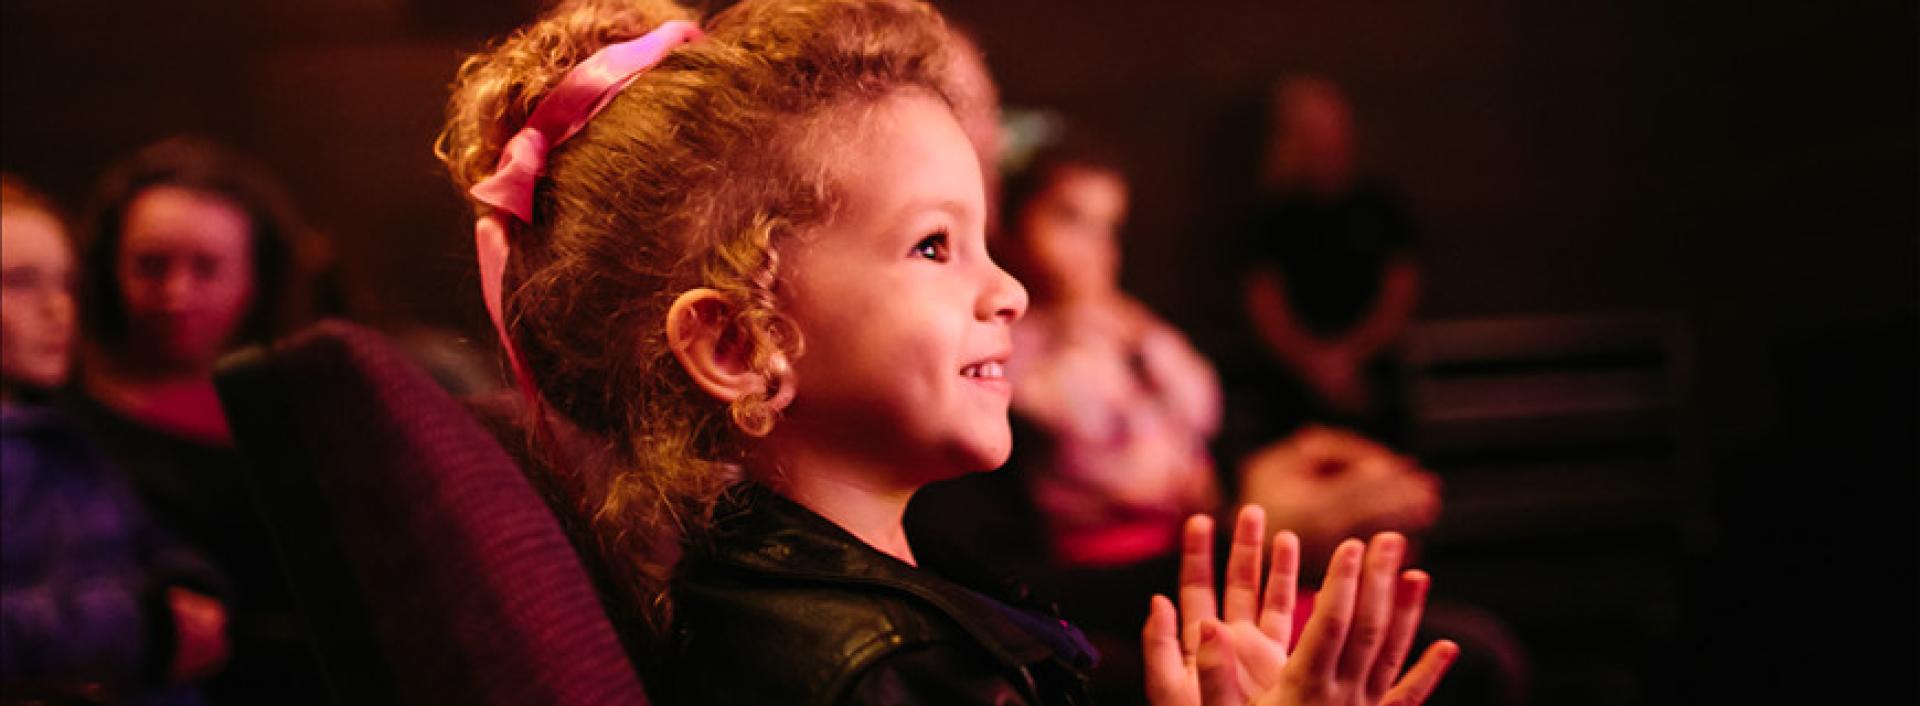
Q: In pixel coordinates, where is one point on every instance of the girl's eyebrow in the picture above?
(952, 207)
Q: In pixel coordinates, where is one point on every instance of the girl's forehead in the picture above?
(178, 218)
(28, 234)
(902, 150)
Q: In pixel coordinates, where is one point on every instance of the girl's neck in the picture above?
(176, 401)
(862, 498)
(135, 370)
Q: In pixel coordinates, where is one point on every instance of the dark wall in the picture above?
(1563, 157)
(341, 99)
(1749, 166)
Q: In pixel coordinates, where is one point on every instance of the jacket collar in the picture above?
(758, 530)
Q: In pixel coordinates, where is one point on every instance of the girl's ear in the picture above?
(716, 354)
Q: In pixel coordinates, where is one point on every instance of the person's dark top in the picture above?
(1333, 253)
(83, 594)
(1333, 256)
(780, 605)
(201, 493)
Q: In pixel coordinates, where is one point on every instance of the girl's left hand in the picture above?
(1349, 653)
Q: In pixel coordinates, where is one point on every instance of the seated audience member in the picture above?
(191, 255)
(1318, 422)
(976, 104)
(96, 601)
(1126, 406)
(1329, 281)
(1326, 484)
(1112, 412)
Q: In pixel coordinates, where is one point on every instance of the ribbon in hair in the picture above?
(581, 94)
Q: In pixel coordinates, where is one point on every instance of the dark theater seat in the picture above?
(429, 568)
(1574, 496)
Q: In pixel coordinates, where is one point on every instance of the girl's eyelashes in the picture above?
(933, 247)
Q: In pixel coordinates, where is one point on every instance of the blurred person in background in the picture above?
(192, 253)
(1326, 484)
(1112, 410)
(977, 106)
(1319, 424)
(1329, 281)
(97, 603)
(1125, 403)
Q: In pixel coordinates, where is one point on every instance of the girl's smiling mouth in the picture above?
(990, 373)
(986, 370)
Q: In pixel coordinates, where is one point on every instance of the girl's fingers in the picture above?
(1165, 665)
(1373, 610)
(1326, 630)
(1425, 674)
(1218, 666)
(1242, 596)
(1409, 600)
(1283, 573)
(1196, 580)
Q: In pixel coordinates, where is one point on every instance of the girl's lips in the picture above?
(986, 370)
(990, 373)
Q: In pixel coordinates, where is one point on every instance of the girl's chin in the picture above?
(43, 376)
(991, 457)
(970, 460)
(183, 356)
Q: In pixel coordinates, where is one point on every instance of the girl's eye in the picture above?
(150, 266)
(21, 278)
(932, 247)
(204, 268)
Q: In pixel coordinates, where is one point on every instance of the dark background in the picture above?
(1746, 168)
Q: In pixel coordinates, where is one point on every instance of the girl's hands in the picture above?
(1350, 652)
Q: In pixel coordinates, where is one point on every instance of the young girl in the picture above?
(748, 256)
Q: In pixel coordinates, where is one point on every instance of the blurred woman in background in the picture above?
(1112, 407)
(1330, 279)
(1126, 405)
(192, 254)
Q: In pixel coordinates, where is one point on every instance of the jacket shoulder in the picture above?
(757, 640)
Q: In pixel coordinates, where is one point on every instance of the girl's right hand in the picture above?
(1349, 653)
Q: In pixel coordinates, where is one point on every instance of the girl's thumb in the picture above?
(1219, 666)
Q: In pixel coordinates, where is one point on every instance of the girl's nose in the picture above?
(1005, 298)
(57, 304)
(176, 287)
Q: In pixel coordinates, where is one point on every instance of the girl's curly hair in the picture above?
(692, 177)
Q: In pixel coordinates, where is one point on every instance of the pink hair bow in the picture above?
(580, 95)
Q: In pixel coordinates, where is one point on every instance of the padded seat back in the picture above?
(431, 570)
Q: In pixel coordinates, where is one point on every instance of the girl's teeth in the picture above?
(984, 370)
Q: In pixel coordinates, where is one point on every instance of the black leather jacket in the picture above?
(781, 606)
